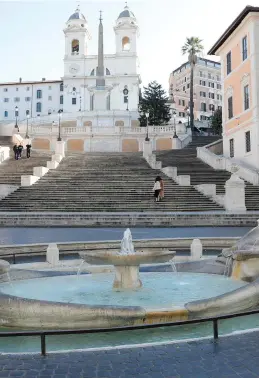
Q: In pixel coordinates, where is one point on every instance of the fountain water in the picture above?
(126, 262)
(174, 269)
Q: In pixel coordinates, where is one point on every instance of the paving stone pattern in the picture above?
(231, 357)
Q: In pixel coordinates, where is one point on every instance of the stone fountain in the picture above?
(126, 262)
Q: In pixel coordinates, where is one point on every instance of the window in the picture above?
(219, 107)
(17, 99)
(75, 47)
(27, 99)
(231, 148)
(74, 101)
(61, 87)
(107, 72)
(202, 94)
(188, 86)
(246, 97)
(27, 112)
(108, 102)
(125, 44)
(228, 63)
(126, 100)
(183, 102)
(203, 107)
(218, 78)
(50, 87)
(49, 111)
(38, 107)
(5, 89)
(181, 114)
(50, 98)
(230, 107)
(218, 86)
(61, 100)
(179, 102)
(201, 74)
(248, 141)
(17, 89)
(184, 88)
(92, 102)
(211, 85)
(218, 97)
(27, 89)
(6, 114)
(211, 95)
(6, 99)
(202, 82)
(39, 93)
(209, 75)
(212, 107)
(244, 48)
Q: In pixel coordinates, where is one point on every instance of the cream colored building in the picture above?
(238, 49)
(207, 89)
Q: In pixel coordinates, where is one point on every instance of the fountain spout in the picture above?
(127, 247)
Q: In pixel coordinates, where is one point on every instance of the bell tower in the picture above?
(76, 36)
(126, 32)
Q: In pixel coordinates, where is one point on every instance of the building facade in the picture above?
(238, 49)
(77, 90)
(207, 89)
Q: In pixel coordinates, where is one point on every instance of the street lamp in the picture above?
(188, 116)
(59, 124)
(174, 116)
(27, 128)
(16, 116)
(147, 137)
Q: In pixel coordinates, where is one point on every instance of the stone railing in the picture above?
(220, 162)
(4, 153)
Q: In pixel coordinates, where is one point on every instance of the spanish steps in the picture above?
(188, 164)
(102, 182)
(11, 170)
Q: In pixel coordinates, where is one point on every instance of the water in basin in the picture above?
(159, 290)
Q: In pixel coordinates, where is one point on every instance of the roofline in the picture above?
(248, 9)
(204, 59)
(31, 82)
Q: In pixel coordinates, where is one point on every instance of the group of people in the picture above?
(18, 151)
(159, 189)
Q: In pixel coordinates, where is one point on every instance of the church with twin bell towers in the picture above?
(106, 86)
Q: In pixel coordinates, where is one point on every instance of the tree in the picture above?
(193, 46)
(216, 122)
(155, 102)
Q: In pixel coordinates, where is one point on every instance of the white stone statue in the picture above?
(127, 246)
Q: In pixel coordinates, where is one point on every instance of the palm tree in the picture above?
(193, 46)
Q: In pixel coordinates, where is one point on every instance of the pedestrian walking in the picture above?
(16, 152)
(162, 191)
(156, 189)
(20, 148)
(28, 150)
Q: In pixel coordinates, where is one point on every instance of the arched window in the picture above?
(6, 113)
(125, 44)
(38, 107)
(107, 72)
(61, 87)
(49, 111)
(92, 72)
(27, 112)
(61, 100)
(75, 47)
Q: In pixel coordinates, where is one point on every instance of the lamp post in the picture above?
(27, 127)
(59, 124)
(16, 117)
(188, 116)
(147, 137)
(174, 116)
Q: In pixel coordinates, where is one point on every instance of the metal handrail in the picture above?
(43, 334)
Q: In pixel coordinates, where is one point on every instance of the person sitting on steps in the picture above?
(157, 188)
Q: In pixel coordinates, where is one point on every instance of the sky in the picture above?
(32, 39)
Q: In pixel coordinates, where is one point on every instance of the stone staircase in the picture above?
(187, 163)
(104, 182)
(11, 170)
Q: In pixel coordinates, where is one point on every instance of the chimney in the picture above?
(43, 79)
(20, 79)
